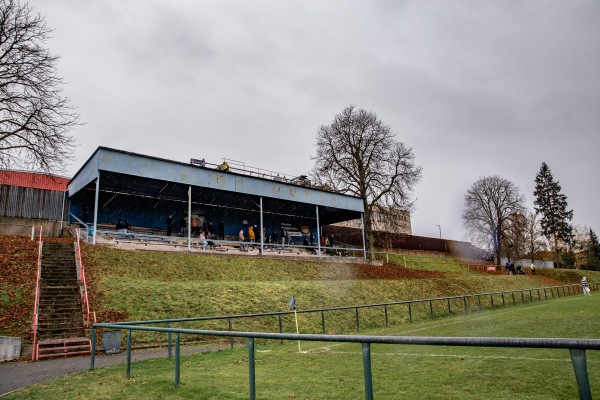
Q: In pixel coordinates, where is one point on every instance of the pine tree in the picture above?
(551, 204)
(593, 250)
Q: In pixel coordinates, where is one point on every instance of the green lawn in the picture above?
(334, 370)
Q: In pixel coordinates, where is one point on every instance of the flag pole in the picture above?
(293, 305)
(297, 332)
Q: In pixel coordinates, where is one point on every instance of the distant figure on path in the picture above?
(586, 287)
(532, 266)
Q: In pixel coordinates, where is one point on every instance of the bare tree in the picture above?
(34, 116)
(534, 237)
(490, 205)
(358, 154)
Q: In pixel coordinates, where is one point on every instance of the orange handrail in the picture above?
(36, 300)
(86, 302)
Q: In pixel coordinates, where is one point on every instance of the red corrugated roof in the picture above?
(34, 180)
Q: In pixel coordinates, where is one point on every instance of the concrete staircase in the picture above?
(61, 328)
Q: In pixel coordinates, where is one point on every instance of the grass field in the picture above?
(334, 370)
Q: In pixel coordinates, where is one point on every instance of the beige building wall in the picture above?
(401, 223)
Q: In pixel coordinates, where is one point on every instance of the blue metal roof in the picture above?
(122, 171)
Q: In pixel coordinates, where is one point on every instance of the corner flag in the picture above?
(293, 303)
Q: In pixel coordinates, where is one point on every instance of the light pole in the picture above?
(440, 228)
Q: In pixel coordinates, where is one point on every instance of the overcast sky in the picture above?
(476, 88)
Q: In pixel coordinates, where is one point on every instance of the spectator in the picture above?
(182, 224)
(169, 224)
(251, 236)
(241, 239)
(221, 230)
(203, 240)
(585, 286)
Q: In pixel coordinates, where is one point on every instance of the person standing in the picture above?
(532, 266)
(585, 286)
(221, 230)
(182, 223)
(169, 224)
(241, 239)
(251, 236)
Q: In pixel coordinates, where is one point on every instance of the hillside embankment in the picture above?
(135, 285)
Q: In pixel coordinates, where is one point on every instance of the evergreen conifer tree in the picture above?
(551, 204)
(593, 250)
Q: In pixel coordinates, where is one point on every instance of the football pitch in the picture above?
(335, 371)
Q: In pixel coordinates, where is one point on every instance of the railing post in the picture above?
(357, 320)
(503, 303)
(323, 321)
(465, 301)
(251, 369)
(530, 296)
(366, 352)
(93, 354)
(545, 294)
(410, 313)
(230, 330)
(177, 360)
(169, 340)
(128, 369)
(539, 297)
(386, 316)
(581, 374)
(431, 308)
(280, 327)
(513, 297)
(492, 299)
(479, 301)
(522, 297)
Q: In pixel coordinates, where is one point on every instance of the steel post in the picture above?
(177, 360)
(93, 352)
(169, 340)
(230, 330)
(386, 316)
(581, 373)
(366, 353)
(251, 377)
(128, 369)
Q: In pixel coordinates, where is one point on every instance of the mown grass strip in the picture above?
(334, 371)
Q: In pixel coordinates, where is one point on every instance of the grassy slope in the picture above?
(156, 285)
(129, 285)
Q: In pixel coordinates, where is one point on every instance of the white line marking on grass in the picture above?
(463, 356)
(434, 325)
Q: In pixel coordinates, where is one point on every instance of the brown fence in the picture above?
(388, 240)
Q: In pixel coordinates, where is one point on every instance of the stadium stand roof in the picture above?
(146, 179)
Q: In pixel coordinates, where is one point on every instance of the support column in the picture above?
(262, 239)
(62, 212)
(189, 224)
(318, 233)
(96, 207)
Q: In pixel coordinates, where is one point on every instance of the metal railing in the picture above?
(576, 347)
(36, 301)
(82, 279)
(503, 299)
